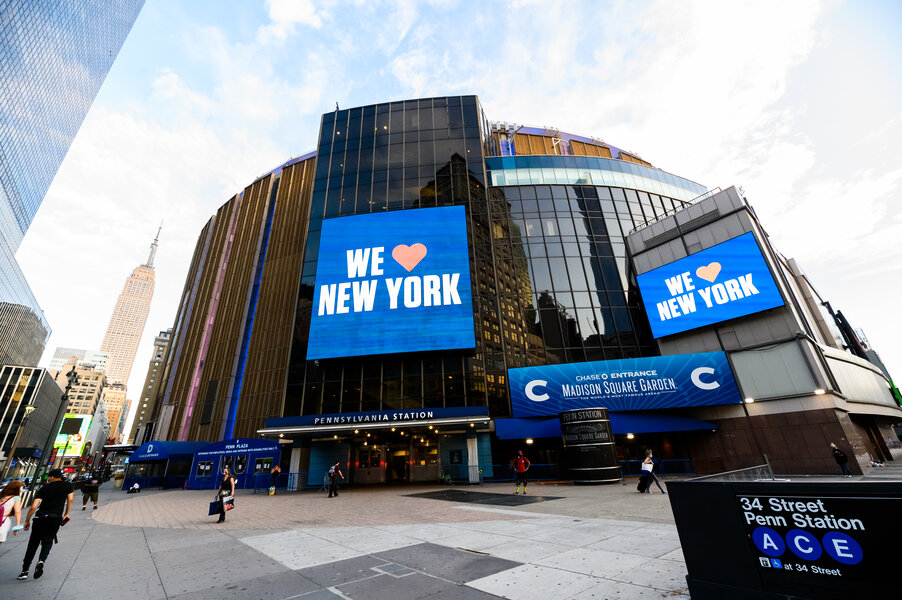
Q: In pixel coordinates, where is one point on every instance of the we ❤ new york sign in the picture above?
(723, 282)
(392, 282)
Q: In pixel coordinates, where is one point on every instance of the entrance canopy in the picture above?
(621, 423)
(379, 419)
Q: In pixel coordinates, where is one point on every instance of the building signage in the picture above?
(392, 282)
(380, 416)
(73, 441)
(725, 281)
(630, 384)
(813, 539)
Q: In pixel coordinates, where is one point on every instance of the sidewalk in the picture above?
(369, 543)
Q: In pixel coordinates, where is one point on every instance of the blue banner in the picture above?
(392, 282)
(725, 281)
(629, 384)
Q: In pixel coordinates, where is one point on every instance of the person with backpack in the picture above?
(842, 460)
(521, 466)
(334, 474)
(10, 506)
(90, 490)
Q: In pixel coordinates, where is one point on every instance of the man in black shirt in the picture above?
(50, 510)
(90, 489)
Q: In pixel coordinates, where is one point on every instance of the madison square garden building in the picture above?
(424, 294)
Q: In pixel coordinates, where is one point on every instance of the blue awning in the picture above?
(165, 450)
(621, 423)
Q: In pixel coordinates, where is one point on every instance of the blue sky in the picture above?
(796, 102)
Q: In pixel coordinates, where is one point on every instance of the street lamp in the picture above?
(12, 451)
(71, 379)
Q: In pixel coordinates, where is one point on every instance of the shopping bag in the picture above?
(228, 502)
(214, 508)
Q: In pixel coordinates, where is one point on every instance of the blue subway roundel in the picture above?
(392, 282)
(725, 281)
(654, 382)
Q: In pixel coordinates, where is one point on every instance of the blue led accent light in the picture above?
(249, 321)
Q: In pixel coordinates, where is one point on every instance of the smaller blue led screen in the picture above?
(392, 282)
(724, 282)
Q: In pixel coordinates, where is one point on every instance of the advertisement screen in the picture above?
(78, 425)
(725, 281)
(656, 382)
(392, 282)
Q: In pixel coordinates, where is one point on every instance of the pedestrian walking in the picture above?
(334, 474)
(90, 490)
(274, 474)
(50, 510)
(10, 506)
(226, 493)
(842, 460)
(521, 466)
(648, 475)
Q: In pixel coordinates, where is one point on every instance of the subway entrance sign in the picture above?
(788, 539)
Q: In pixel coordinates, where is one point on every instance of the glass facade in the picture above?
(548, 262)
(588, 170)
(54, 57)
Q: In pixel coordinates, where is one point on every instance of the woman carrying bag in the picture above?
(648, 475)
(10, 507)
(226, 493)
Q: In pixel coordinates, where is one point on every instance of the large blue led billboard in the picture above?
(654, 382)
(392, 282)
(723, 282)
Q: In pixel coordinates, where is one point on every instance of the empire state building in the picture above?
(127, 323)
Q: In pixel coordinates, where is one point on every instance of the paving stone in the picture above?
(277, 586)
(651, 544)
(534, 582)
(448, 563)
(615, 590)
(666, 575)
(298, 550)
(217, 565)
(597, 563)
(386, 587)
(343, 571)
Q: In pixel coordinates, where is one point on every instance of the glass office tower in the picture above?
(54, 57)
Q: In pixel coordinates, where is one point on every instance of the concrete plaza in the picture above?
(369, 543)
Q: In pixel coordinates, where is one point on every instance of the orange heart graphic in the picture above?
(409, 256)
(710, 272)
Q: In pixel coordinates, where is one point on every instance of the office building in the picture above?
(142, 425)
(126, 325)
(54, 57)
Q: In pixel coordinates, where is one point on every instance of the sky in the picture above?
(796, 102)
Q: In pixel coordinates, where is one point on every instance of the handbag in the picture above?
(648, 467)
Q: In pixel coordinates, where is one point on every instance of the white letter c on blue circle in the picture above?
(532, 395)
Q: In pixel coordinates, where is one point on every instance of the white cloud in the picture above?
(759, 94)
(285, 16)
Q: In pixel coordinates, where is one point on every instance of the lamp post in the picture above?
(71, 379)
(12, 451)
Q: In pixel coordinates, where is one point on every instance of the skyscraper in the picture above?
(54, 57)
(127, 323)
(143, 424)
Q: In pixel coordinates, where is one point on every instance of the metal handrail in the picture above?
(673, 211)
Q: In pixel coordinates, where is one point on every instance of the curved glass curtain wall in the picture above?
(548, 262)
(588, 170)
